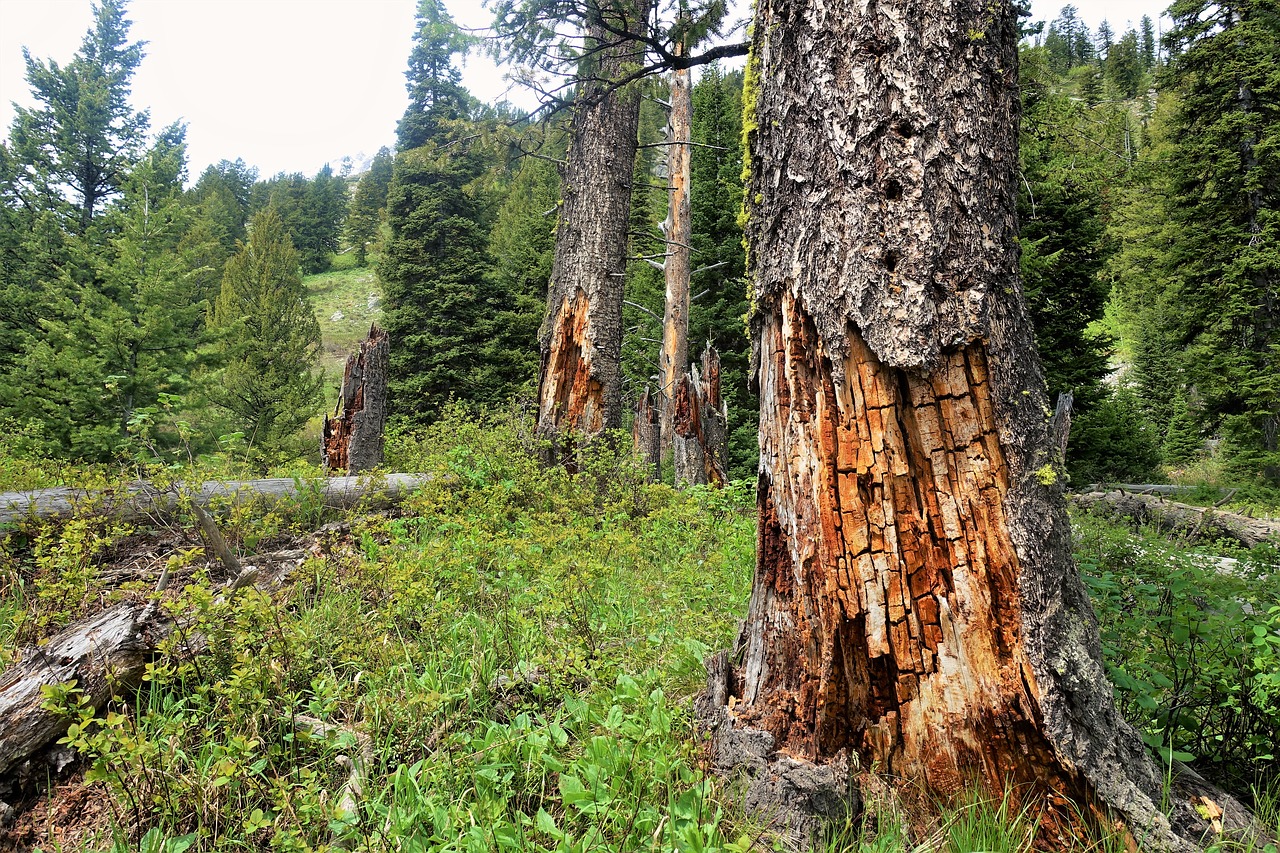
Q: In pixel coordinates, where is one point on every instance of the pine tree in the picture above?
(78, 144)
(369, 205)
(268, 338)
(1148, 43)
(1224, 265)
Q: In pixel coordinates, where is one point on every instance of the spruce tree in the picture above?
(268, 338)
(719, 312)
(1224, 263)
(78, 144)
(369, 205)
(434, 265)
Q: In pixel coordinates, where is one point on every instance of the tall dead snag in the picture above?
(915, 608)
(579, 384)
(699, 434)
(352, 440)
(673, 361)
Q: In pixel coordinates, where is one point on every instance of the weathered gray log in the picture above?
(143, 501)
(352, 440)
(1193, 522)
(105, 656)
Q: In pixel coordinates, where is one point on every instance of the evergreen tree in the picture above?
(436, 95)
(434, 267)
(718, 314)
(1224, 263)
(369, 204)
(268, 338)
(224, 192)
(120, 341)
(1148, 43)
(1124, 65)
(77, 145)
(323, 214)
(521, 246)
(1106, 38)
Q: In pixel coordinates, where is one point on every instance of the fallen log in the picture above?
(1192, 522)
(105, 656)
(141, 501)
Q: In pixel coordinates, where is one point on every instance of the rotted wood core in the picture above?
(571, 397)
(699, 433)
(352, 440)
(885, 616)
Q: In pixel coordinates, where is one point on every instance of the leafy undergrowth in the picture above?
(518, 650)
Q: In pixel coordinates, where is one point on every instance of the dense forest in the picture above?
(169, 326)
(139, 304)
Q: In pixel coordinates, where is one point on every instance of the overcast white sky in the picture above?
(289, 85)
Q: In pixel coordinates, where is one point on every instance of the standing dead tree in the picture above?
(352, 440)
(915, 608)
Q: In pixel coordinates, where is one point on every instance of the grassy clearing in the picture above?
(346, 300)
(520, 648)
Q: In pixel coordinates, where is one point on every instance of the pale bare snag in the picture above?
(352, 440)
(915, 608)
(673, 360)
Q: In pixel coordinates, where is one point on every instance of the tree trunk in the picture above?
(646, 435)
(915, 605)
(1179, 519)
(673, 361)
(579, 384)
(142, 501)
(352, 441)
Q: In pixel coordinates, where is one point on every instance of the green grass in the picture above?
(346, 300)
(521, 648)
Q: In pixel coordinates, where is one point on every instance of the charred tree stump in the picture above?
(579, 382)
(699, 430)
(646, 436)
(352, 440)
(915, 610)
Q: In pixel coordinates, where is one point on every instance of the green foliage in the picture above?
(82, 138)
(518, 646)
(369, 205)
(1113, 442)
(1193, 647)
(719, 313)
(268, 338)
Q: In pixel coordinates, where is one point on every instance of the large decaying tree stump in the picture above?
(699, 425)
(915, 609)
(352, 440)
(579, 384)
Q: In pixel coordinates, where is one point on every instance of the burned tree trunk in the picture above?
(915, 604)
(673, 361)
(352, 440)
(646, 435)
(579, 384)
(699, 433)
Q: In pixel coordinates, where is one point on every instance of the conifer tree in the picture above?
(77, 145)
(369, 205)
(1224, 263)
(268, 337)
